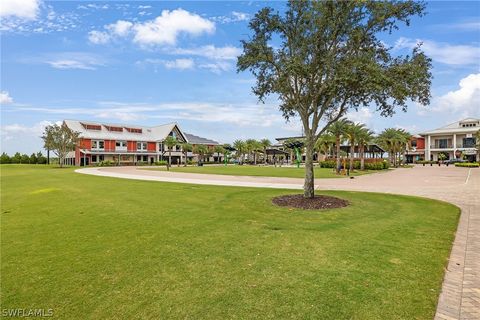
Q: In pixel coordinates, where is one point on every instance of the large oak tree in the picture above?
(321, 58)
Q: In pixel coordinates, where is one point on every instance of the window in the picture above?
(414, 143)
(98, 144)
(139, 158)
(94, 158)
(442, 143)
(160, 147)
(141, 146)
(100, 157)
(469, 142)
(145, 158)
(121, 144)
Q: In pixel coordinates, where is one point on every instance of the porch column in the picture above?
(454, 145)
(428, 149)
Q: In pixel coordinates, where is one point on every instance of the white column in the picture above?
(454, 144)
(428, 149)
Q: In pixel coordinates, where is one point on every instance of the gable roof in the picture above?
(193, 139)
(455, 127)
(128, 132)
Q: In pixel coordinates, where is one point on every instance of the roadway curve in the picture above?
(460, 296)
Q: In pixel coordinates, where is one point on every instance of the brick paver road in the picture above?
(460, 296)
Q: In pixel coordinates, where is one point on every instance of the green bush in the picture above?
(161, 163)
(467, 164)
(356, 165)
(107, 163)
(327, 164)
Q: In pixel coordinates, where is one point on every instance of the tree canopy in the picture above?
(329, 59)
(60, 139)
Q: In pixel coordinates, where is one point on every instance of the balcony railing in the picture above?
(116, 150)
(441, 146)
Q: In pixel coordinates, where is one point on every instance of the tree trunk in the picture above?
(362, 158)
(48, 156)
(309, 186)
(352, 154)
(169, 160)
(185, 163)
(337, 145)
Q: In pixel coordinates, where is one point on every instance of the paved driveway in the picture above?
(460, 296)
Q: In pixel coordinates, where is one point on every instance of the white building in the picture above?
(455, 140)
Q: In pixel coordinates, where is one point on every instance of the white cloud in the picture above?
(5, 98)
(261, 115)
(211, 52)
(443, 52)
(216, 66)
(166, 28)
(75, 60)
(120, 28)
(362, 115)
(98, 37)
(181, 64)
(24, 9)
(464, 102)
(234, 16)
(163, 30)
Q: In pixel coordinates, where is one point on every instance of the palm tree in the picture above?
(250, 145)
(218, 150)
(324, 144)
(265, 143)
(241, 148)
(201, 151)
(395, 142)
(170, 142)
(337, 129)
(352, 132)
(186, 148)
(363, 139)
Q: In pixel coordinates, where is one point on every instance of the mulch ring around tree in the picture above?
(318, 202)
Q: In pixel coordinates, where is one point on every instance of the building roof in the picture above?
(122, 131)
(456, 127)
(193, 139)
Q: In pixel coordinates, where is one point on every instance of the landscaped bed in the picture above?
(262, 171)
(104, 248)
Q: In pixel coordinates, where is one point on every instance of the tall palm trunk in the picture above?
(362, 156)
(169, 159)
(337, 146)
(352, 154)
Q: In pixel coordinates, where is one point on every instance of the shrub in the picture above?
(467, 164)
(161, 163)
(327, 164)
(106, 163)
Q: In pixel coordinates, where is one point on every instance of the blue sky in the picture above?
(151, 63)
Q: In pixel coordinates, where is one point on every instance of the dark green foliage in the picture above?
(4, 158)
(467, 164)
(330, 59)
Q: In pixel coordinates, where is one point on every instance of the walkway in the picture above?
(460, 296)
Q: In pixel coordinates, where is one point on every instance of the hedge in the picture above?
(467, 164)
(356, 165)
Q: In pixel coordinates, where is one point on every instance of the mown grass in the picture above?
(104, 248)
(262, 171)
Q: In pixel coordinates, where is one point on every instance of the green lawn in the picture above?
(263, 171)
(104, 248)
